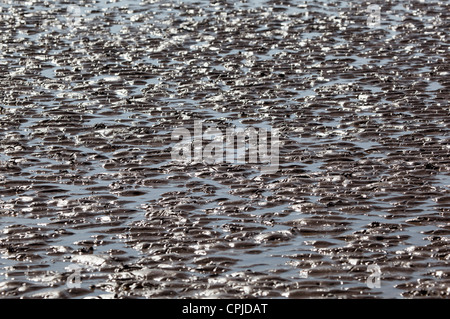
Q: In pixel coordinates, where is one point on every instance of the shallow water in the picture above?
(89, 101)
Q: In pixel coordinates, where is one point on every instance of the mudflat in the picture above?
(92, 204)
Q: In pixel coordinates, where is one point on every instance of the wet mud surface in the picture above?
(88, 106)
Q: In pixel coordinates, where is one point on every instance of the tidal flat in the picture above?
(93, 206)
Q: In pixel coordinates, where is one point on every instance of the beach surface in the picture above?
(92, 204)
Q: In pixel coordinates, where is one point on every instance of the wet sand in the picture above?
(90, 98)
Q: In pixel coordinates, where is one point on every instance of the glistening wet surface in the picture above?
(90, 96)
